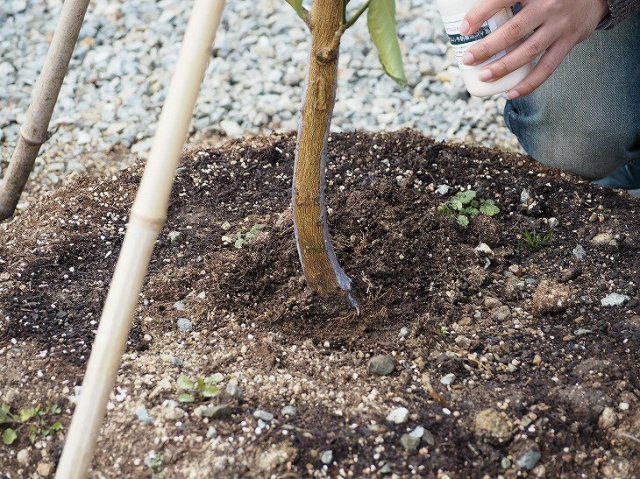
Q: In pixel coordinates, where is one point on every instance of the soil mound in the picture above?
(512, 323)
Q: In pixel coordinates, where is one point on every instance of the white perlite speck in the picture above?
(398, 415)
(614, 299)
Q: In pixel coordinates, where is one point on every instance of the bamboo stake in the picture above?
(33, 132)
(147, 217)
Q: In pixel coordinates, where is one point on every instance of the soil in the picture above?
(503, 353)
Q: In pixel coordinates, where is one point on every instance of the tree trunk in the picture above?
(319, 263)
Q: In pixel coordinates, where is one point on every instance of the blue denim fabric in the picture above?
(586, 117)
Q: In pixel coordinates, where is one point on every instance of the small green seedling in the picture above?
(536, 241)
(243, 238)
(465, 205)
(35, 422)
(199, 389)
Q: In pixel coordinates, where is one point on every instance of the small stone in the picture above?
(505, 463)
(170, 410)
(417, 432)
(409, 442)
(537, 360)
(212, 433)
(143, 415)
(614, 299)
(288, 411)
(327, 457)
(501, 313)
(381, 365)
(231, 128)
(607, 419)
(483, 248)
(553, 222)
(184, 325)
(447, 379)
(529, 458)
(175, 236)
(603, 239)
(623, 406)
(404, 332)
(203, 411)
(226, 226)
(398, 415)
(23, 456)
(579, 252)
(386, 469)
(494, 426)
(278, 455)
(264, 415)
(427, 437)
(179, 306)
(525, 196)
(234, 390)
(443, 189)
(44, 469)
(550, 297)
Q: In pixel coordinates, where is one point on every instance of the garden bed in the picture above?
(504, 353)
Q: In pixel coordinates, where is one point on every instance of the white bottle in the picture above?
(453, 12)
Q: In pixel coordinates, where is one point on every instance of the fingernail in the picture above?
(513, 94)
(468, 58)
(486, 74)
(464, 27)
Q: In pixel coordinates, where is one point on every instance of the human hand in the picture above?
(557, 26)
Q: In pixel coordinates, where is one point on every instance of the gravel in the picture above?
(112, 96)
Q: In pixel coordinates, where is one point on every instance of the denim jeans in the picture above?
(586, 117)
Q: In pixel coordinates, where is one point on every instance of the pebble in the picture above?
(184, 325)
(604, 239)
(550, 297)
(264, 415)
(327, 457)
(170, 411)
(23, 456)
(607, 419)
(143, 415)
(494, 426)
(212, 433)
(381, 365)
(501, 313)
(288, 411)
(579, 253)
(529, 458)
(398, 416)
(409, 442)
(614, 299)
(448, 379)
(44, 469)
(404, 332)
(175, 236)
(234, 390)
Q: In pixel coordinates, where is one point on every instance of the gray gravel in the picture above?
(111, 98)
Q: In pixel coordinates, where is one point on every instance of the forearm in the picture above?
(622, 9)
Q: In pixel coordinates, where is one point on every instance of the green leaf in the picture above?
(214, 378)
(26, 414)
(381, 19)
(462, 220)
(200, 383)
(297, 6)
(186, 398)
(455, 204)
(8, 436)
(210, 391)
(184, 382)
(466, 196)
(489, 208)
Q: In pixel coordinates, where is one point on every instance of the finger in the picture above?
(505, 36)
(542, 71)
(530, 49)
(480, 13)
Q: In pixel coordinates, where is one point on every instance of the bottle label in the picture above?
(462, 43)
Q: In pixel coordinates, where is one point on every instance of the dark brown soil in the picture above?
(549, 368)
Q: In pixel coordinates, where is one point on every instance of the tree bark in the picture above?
(319, 263)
